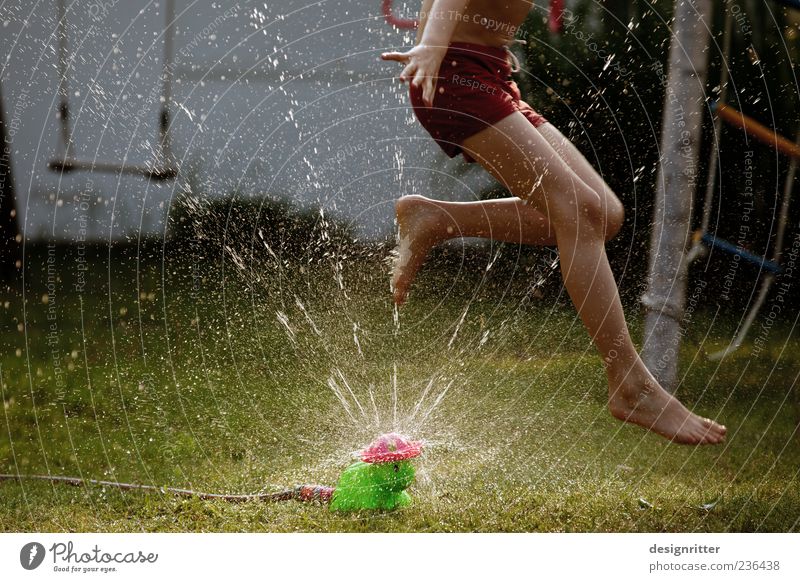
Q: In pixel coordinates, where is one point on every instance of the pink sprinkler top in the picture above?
(391, 447)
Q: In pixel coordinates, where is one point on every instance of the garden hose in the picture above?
(300, 493)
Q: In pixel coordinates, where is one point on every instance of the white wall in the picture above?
(280, 98)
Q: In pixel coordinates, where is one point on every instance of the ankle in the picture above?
(632, 383)
(623, 368)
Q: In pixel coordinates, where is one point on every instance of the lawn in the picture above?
(213, 369)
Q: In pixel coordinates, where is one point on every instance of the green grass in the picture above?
(179, 372)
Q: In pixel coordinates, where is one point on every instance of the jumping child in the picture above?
(462, 93)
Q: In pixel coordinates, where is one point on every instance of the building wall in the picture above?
(269, 99)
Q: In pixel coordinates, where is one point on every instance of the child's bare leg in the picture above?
(528, 164)
(423, 223)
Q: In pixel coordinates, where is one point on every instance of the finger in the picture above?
(421, 80)
(399, 57)
(408, 72)
(428, 91)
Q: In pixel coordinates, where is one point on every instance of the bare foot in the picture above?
(419, 224)
(650, 406)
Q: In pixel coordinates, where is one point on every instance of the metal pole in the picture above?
(685, 95)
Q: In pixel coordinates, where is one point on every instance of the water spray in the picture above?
(377, 481)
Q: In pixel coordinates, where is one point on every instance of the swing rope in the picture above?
(777, 252)
(163, 169)
(698, 248)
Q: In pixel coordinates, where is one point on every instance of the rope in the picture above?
(163, 168)
(516, 67)
(301, 492)
(776, 258)
(166, 91)
(63, 89)
(787, 196)
(723, 93)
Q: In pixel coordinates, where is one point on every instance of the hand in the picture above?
(421, 66)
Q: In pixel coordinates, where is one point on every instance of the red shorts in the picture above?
(474, 90)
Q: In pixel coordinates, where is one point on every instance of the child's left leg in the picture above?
(423, 223)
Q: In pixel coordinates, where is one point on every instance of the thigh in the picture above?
(523, 160)
(576, 160)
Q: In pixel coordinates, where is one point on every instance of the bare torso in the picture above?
(486, 22)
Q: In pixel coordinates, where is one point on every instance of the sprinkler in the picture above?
(378, 481)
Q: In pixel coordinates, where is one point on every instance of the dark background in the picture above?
(614, 117)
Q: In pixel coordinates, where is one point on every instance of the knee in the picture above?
(602, 216)
(594, 214)
(614, 217)
(575, 207)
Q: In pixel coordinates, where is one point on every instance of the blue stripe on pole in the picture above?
(790, 3)
(727, 247)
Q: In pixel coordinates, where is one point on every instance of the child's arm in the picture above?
(423, 61)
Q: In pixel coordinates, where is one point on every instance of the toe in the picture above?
(714, 437)
(714, 426)
(718, 429)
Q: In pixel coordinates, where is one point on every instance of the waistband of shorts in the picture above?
(497, 52)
